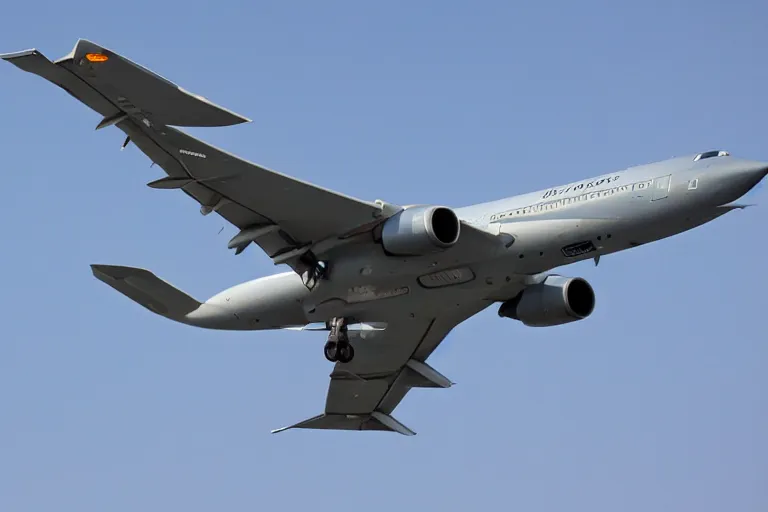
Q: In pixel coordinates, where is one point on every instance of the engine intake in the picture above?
(556, 300)
(419, 230)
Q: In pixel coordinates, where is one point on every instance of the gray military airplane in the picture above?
(387, 282)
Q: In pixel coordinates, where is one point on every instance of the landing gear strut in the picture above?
(338, 348)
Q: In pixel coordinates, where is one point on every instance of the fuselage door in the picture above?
(660, 187)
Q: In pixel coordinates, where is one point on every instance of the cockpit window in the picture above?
(710, 154)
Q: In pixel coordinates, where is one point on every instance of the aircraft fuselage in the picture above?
(545, 229)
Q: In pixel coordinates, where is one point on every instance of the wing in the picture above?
(283, 215)
(387, 364)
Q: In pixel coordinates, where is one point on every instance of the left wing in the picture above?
(387, 364)
(283, 215)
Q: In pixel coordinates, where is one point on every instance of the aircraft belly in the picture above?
(373, 298)
(369, 301)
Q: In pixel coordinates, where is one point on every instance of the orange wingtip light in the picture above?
(96, 57)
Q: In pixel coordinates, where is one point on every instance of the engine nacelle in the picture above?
(556, 300)
(419, 230)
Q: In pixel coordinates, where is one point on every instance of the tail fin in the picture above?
(145, 288)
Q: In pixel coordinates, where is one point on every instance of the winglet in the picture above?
(23, 53)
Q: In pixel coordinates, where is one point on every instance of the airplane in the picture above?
(387, 282)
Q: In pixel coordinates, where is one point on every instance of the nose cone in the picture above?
(744, 175)
(753, 173)
(755, 170)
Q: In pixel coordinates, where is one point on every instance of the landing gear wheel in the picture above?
(338, 349)
(331, 351)
(345, 352)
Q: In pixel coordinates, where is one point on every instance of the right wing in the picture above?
(283, 215)
(363, 393)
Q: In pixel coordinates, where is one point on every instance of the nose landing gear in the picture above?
(338, 348)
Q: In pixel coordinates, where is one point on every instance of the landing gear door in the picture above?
(660, 187)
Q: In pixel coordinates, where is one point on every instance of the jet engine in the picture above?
(419, 230)
(556, 300)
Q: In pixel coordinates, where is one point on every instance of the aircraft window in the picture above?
(693, 184)
(710, 154)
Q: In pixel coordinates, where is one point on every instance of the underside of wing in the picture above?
(283, 215)
(387, 364)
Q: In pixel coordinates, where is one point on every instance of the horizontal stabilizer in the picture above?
(118, 88)
(375, 421)
(145, 288)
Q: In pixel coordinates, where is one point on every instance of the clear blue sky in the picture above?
(656, 402)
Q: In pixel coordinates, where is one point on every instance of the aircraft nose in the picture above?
(748, 174)
(757, 170)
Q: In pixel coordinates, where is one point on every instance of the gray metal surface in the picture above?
(244, 193)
